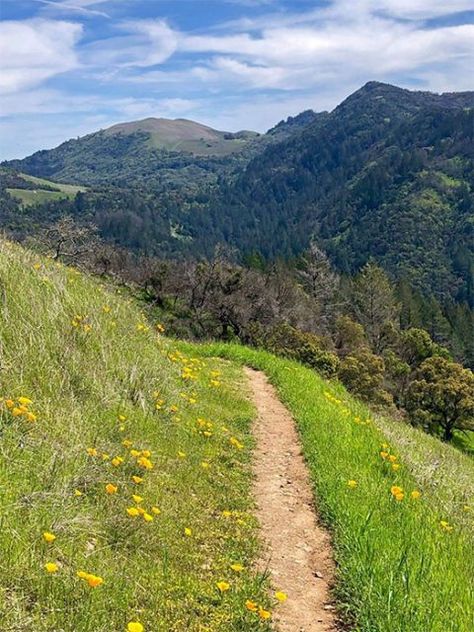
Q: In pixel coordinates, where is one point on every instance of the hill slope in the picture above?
(126, 477)
(388, 174)
(154, 149)
(97, 407)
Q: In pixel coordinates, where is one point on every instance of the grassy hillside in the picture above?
(182, 135)
(97, 411)
(125, 474)
(399, 503)
(41, 190)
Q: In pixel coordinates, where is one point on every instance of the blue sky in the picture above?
(70, 67)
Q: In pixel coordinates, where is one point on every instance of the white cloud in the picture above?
(35, 50)
(147, 43)
(75, 6)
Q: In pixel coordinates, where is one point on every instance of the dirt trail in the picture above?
(297, 550)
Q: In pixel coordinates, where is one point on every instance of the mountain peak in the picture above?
(183, 135)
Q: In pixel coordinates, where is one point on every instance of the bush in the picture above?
(302, 346)
(363, 374)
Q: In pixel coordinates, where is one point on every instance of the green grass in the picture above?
(29, 197)
(71, 189)
(398, 569)
(84, 356)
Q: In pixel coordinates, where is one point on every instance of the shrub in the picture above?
(441, 397)
(302, 346)
(363, 374)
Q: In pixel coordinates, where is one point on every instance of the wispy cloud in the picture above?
(81, 7)
(33, 51)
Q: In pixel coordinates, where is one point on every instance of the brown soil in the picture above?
(297, 550)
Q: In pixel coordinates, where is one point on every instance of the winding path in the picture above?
(297, 549)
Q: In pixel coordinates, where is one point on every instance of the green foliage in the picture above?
(441, 396)
(363, 374)
(374, 305)
(302, 346)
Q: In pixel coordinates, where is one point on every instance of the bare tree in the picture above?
(69, 241)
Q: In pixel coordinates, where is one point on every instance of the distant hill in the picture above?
(158, 150)
(388, 174)
(186, 136)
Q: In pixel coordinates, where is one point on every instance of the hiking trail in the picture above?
(297, 550)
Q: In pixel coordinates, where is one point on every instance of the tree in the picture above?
(374, 304)
(363, 373)
(441, 396)
(349, 336)
(319, 281)
(69, 241)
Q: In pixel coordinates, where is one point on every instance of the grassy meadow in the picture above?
(399, 503)
(124, 468)
(29, 197)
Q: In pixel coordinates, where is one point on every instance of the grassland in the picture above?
(29, 197)
(107, 399)
(405, 563)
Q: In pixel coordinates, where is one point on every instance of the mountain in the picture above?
(181, 135)
(388, 174)
(156, 150)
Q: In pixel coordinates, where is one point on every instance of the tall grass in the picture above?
(86, 359)
(404, 565)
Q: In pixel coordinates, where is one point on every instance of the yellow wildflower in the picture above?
(188, 532)
(135, 453)
(49, 537)
(133, 511)
(116, 461)
(223, 586)
(205, 465)
(111, 489)
(51, 567)
(147, 517)
(137, 499)
(281, 596)
(415, 494)
(127, 443)
(156, 511)
(25, 401)
(145, 463)
(94, 581)
(135, 626)
(92, 451)
(351, 483)
(251, 605)
(77, 492)
(395, 467)
(445, 525)
(264, 614)
(137, 479)
(237, 567)
(384, 454)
